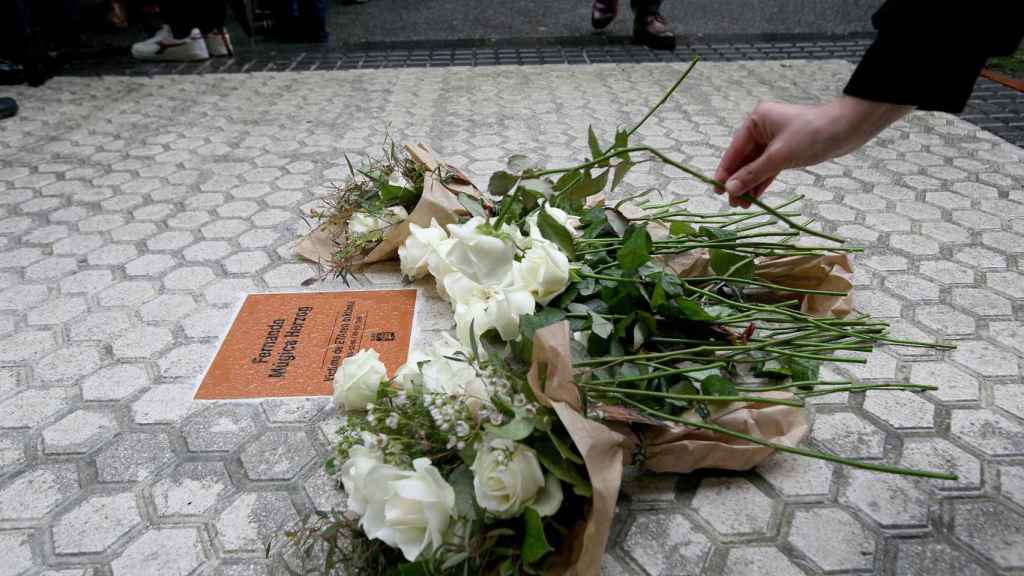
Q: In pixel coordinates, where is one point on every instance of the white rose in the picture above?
(415, 252)
(353, 476)
(500, 309)
(507, 478)
(482, 258)
(408, 374)
(357, 380)
(544, 271)
(361, 223)
(443, 375)
(410, 511)
(439, 266)
(570, 222)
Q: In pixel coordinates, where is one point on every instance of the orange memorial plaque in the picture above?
(291, 344)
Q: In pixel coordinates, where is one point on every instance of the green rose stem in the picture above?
(695, 397)
(724, 279)
(664, 98)
(794, 385)
(790, 449)
(866, 387)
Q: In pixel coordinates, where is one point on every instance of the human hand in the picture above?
(777, 136)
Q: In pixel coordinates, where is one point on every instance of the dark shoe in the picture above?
(652, 31)
(11, 74)
(603, 13)
(8, 108)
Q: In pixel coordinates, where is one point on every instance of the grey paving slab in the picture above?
(134, 212)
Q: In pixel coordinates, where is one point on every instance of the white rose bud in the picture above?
(500, 310)
(415, 252)
(571, 223)
(410, 511)
(353, 476)
(361, 223)
(357, 380)
(454, 377)
(507, 478)
(483, 258)
(544, 271)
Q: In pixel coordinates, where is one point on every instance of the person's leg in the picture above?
(180, 39)
(649, 26)
(218, 43)
(603, 13)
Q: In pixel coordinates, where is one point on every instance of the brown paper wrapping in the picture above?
(607, 446)
(441, 186)
(830, 272)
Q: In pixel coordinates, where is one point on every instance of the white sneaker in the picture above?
(218, 43)
(168, 49)
(164, 33)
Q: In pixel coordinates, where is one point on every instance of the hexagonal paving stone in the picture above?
(1009, 283)
(325, 492)
(945, 320)
(69, 363)
(167, 308)
(142, 342)
(250, 520)
(129, 293)
(189, 278)
(985, 359)
(23, 296)
(1011, 483)
(164, 551)
(288, 275)
(170, 240)
(246, 262)
(1009, 334)
(226, 228)
(207, 250)
(979, 257)
(890, 500)
(191, 489)
(938, 454)
(848, 435)
(220, 429)
(759, 561)
(849, 546)
(981, 302)
(947, 272)
(954, 384)
(912, 287)
(149, 265)
(112, 255)
(900, 409)
(133, 456)
(165, 404)
(33, 407)
(79, 432)
(733, 506)
(58, 311)
(25, 346)
(667, 544)
(993, 530)
(12, 452)
(293, 409)
(1009, 397)
(186, 361)
(229, 290)
(277, 455)
(49, 485)
(914, 557)
(95, 523)
(115, 382)
(16, 548)
(985, 430)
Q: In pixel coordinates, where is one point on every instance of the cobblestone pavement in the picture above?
(135, 212)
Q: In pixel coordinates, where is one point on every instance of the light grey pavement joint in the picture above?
(135, 212)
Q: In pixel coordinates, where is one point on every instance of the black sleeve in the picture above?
(928, 54)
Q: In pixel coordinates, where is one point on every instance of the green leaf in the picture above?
(535, 543)
(621, 143)
(773, 369)
(501, 182)
(595, 147)
(802, 369)
(600, 325)
(564, 449)
(717, 385)
(393, 195)
(692, 310)
(518, 429)
(567, 179)
(530, 323)
(587, 186)
(715, 233)
(555, 232)
(472, 205)
(684, 387)
(620, 171)
(461, 480)
(537, 187)
(636, 249)
(658, 298)
(682, 229)
(563, 469)
(731, 264)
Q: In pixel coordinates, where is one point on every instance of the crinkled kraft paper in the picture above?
(607, 447)
(439, 201)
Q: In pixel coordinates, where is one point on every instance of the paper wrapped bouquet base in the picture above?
(442, 185)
